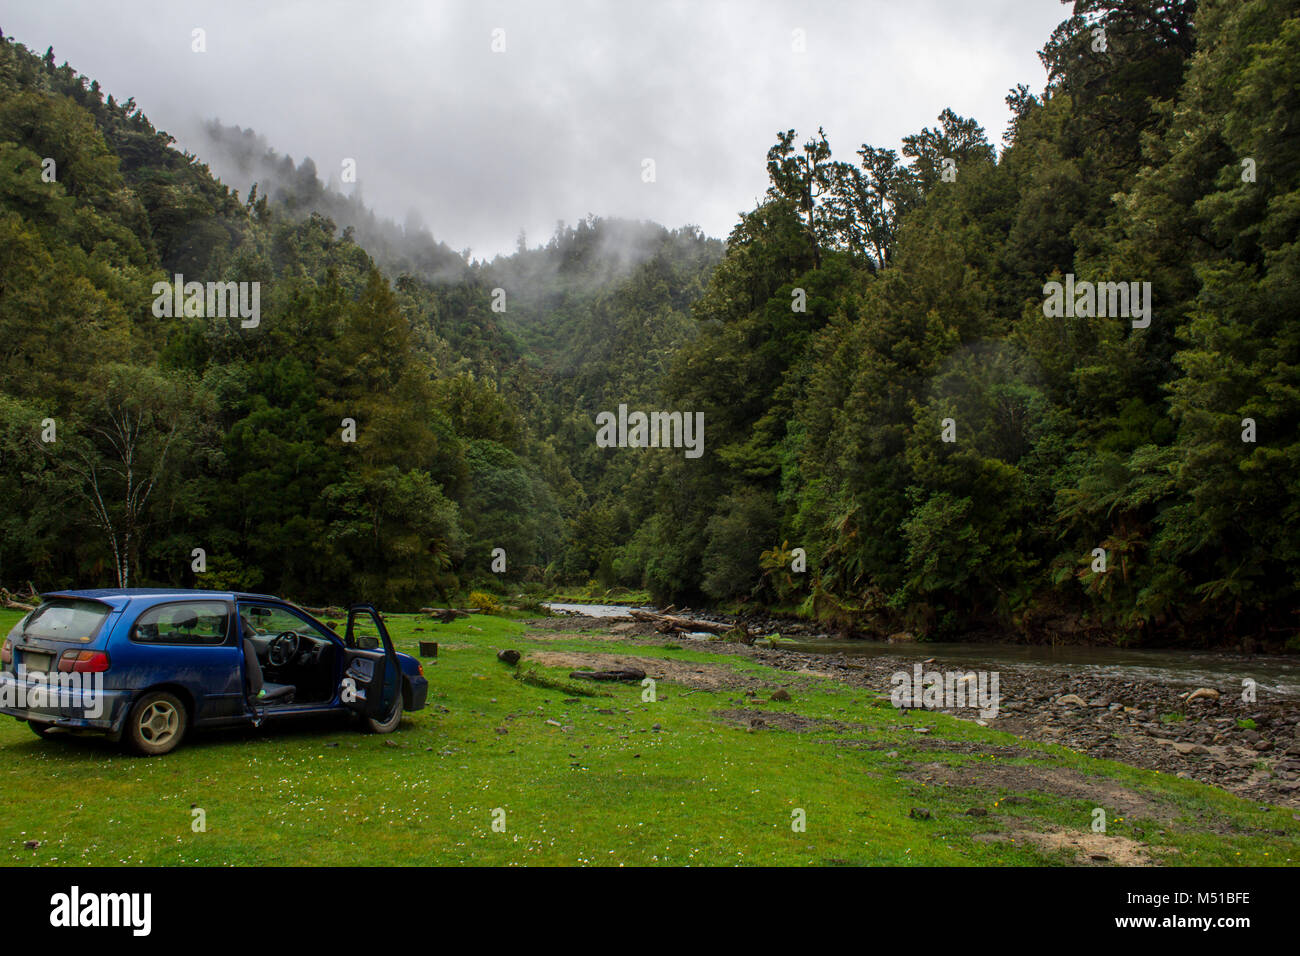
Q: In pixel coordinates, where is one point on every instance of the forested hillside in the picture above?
(886, 378)
(171, 434)
(1169, 157)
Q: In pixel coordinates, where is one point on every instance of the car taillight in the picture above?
(83, 662)
(421, 666)
(7, 653)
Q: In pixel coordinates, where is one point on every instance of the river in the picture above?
(1224, 671)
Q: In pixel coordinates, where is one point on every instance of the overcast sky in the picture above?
(482, 144)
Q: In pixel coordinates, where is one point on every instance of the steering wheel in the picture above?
(283, 648)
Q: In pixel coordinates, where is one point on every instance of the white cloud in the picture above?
(484, 144)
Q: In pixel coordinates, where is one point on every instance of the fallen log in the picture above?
(8, 601)
(323, 611)
(630, 673)
(677, 623)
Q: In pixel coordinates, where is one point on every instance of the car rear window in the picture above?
(66, 619)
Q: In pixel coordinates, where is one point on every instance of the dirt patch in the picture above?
(575, 633)
(814, 672)
(1095, 849)
(686, 673)
(976, 748)
(1113, 797)
(604, 629)
(782, 720)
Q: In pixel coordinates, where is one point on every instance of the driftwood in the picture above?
(9, 600)
(672, 623)
(630, 673)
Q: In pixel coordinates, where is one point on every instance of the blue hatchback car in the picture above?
(147, 665)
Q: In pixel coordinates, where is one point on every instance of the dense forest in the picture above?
(907, 425)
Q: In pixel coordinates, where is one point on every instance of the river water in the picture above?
(592, 610)
(1276, 675)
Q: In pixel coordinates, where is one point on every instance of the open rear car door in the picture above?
(372, 678)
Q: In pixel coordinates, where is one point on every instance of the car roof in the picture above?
(118, 597)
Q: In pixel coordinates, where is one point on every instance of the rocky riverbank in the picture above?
(1210, 734)
(1251, 748)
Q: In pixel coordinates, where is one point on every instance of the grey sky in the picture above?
(482, 144)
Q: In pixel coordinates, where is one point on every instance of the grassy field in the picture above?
(608, 780)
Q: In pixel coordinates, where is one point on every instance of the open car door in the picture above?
(372, 678)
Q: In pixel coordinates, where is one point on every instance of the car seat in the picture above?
(259, 690)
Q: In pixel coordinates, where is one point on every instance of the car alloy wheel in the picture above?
(157, 723)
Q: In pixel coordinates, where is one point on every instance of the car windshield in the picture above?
(66, 619)
(272, 620)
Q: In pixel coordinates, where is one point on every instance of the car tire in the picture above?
(156, 724)
(376, 726)
(41, 729)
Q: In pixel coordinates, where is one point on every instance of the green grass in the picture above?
(538, 677)
(603, 787)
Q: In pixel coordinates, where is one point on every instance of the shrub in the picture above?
(484, 602)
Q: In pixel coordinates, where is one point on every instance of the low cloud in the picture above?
(477, 145)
